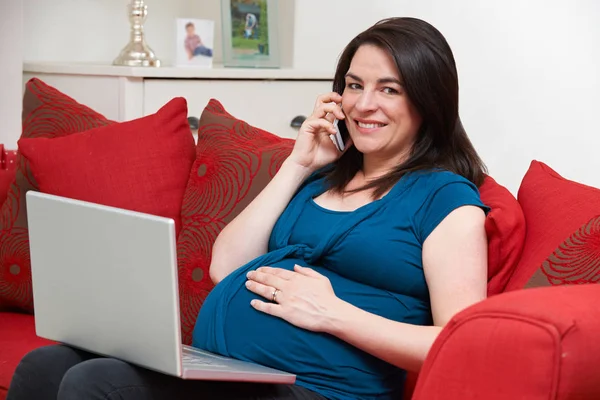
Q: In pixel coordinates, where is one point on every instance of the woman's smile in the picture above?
(368, 126)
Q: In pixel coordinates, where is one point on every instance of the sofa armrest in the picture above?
(538, 343)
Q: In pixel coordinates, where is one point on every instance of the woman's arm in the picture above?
(247, 236)
(400, 344)
(455, 264)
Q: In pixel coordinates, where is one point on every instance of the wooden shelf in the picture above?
(169, 72)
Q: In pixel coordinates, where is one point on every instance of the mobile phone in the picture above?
(337, 137)
(340, 138)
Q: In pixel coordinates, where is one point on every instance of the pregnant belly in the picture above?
(316, 358)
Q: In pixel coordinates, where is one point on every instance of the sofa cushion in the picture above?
(141, 165)
(8, 159)
(505, 229)
(17, 338)
(562, 245)
(7, 171)
(47, 113)
(528, 344)
(7, 178)
(234, 162)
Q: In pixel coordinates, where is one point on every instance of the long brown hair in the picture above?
(428, 71)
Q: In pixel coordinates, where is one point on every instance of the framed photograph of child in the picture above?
(250, 33)
(195, 42)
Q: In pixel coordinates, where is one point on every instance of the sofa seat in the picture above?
(17, 338)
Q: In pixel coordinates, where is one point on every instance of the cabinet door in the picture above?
(269, 105)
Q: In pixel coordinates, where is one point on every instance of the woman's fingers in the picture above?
(331, 97)
(329, 103)
(266, 279)
(330, 111)
(268, 308)
(262, 290)
(307, 272)
(321, 125)
(280, 272)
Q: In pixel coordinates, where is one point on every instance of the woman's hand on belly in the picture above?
(302, 297)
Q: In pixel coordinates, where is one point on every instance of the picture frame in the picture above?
(250, 33)
(195, 40)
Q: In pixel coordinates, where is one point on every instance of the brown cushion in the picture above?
(234, 162)
(46, 113)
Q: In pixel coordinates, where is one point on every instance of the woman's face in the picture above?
(381, 119)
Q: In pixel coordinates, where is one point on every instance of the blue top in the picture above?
(373, 258)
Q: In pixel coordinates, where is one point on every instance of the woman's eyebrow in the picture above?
(352, 76)
(390, 80)
(380, 80)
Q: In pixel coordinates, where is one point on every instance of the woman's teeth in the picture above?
(370, 126)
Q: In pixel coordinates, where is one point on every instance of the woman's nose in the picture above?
(366, 102)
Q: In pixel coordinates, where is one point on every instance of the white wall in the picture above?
(97, 30)
(529, 70)
(11, 70)
(530, 81)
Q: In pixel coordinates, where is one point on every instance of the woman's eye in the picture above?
(389, 90)
(353, 86)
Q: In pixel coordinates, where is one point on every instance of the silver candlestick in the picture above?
(137, 53)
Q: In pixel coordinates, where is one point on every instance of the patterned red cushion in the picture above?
(141, 165)
(562, 245)
(7, 178)
(505, 228)
(234, 162)
(46, 113)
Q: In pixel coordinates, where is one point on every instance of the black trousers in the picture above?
(60, 372)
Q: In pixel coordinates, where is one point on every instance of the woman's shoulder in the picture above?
(426, 184)
(436, 178)
(436, 193)
(440, 185)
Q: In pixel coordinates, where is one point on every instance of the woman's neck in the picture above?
(375, 167)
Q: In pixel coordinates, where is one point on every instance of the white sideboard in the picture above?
(266, 98)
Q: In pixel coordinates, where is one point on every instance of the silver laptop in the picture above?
(105, 280)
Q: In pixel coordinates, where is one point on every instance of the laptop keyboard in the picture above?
(194, 357)
(191, 361)
(200, 364)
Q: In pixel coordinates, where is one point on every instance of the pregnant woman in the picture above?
(345, 268)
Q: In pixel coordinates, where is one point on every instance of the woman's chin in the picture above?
(365, 148)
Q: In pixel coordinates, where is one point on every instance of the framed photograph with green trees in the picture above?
(250, 33)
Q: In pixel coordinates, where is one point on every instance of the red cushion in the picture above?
(533, 344)
(234, 162)
(505, 228)
(17, 338)
(7, 177)
(7, 158)
(563, 231)
(141, 165)
(46, 113)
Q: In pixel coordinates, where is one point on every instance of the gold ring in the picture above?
(274, 296)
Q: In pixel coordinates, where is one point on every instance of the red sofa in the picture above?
(537, 343)
(535, 337)
(17, 331)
